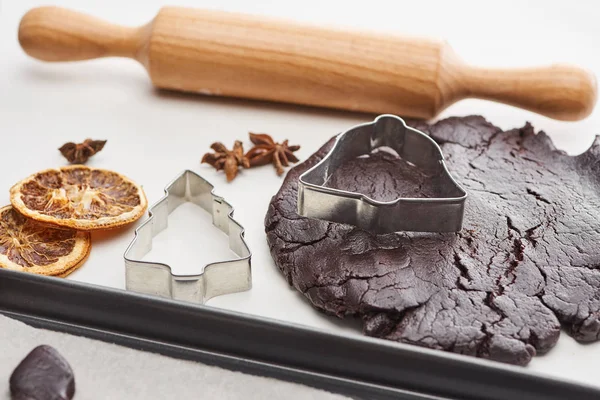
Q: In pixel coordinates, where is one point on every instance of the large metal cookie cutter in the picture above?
(441, 214)
(215, 278)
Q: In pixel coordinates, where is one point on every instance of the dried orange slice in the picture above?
(30, 246)
(79, 197)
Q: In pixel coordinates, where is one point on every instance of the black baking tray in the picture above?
(362, 368)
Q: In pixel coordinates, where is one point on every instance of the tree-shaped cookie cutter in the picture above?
(440, 214)
(214, 279)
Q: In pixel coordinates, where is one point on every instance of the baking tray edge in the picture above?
(357, 366)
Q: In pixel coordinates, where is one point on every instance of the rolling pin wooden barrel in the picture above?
(227, 54)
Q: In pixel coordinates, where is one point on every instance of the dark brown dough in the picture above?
(526, 259)
(43, 375)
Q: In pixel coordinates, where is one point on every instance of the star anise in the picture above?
(225, 159)
(79, 153)
(267, 151)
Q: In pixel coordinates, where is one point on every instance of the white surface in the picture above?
(122, 373)
(153, 136)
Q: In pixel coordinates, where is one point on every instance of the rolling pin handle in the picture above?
(560, 91)
(59, 34)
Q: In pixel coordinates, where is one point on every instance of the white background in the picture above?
(152, 136)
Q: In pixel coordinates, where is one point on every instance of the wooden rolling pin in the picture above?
(225, 54)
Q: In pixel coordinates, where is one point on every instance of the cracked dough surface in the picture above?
(526, 260)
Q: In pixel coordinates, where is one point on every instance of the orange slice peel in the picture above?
(79, 197)
(30, 246)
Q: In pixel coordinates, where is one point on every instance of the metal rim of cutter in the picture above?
(217, 278)
(440, 214)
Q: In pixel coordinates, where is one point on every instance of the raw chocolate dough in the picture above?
(43, 375)
(526, 260)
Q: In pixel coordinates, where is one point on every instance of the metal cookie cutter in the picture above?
(440, 214)
(215, 278)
